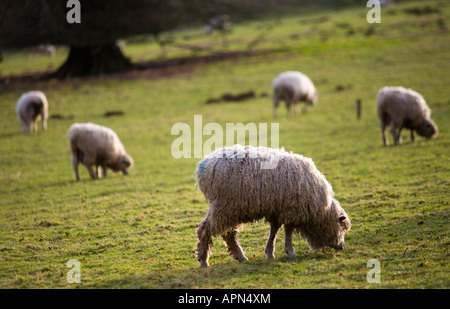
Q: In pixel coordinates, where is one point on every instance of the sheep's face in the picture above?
(330, 232)
(123, 163)
(427, 129)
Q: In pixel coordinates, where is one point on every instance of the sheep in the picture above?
(293, 193)
(92, 144)
(46, 49)
(31, 107)
(401, 108)
(293, 87)
(220, 23)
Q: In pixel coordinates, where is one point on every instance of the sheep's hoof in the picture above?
(242, 259)
(204, 263)
(270, 256)
(291, 255)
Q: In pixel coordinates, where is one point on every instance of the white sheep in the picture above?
(92, 144)
(31, 107)
(293, 87)
(293, 193)
(401, 108)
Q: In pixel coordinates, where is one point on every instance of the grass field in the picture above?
(140, 231)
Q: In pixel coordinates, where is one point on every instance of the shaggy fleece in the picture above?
(293, 193)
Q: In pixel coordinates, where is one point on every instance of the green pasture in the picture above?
(139, 231)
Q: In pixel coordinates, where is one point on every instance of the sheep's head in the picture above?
(314, 98)
(123, 163)
(427, 129)
(331, 231)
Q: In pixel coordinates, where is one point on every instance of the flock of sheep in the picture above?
(90, 144)
(293, 193)
(397, 107)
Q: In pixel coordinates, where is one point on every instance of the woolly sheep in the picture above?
(401, 108)
(293, 87)
(293, 193)
(92, 144)
(31, 107)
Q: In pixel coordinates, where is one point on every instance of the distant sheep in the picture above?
(46, 49)
(293, 87)
(31, 107)
(293, 193)
(95, 145)
(219, 23)
(401, 108)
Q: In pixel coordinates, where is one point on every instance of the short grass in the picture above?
(140, 231)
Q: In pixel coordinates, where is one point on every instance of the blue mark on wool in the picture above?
(201, 167)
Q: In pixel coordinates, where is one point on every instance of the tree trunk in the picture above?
(93, 61)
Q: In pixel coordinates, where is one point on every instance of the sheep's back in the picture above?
(100, 140)
(294, 188)
(399, 102)
(297, 81)
(31, 96)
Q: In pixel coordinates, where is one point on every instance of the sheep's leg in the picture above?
(204, 244)
(104, 171)
(44, 122)
(43, 119)
(275, 106)
(25, 125)
(412, 136)
(296, 109)
(288, 245)
(399, 135)
(288, 107)
(91, 171)
(29, 127)
(233, 246)
(305, 108)
(75, 162)
(383, 133)
(270, 246)
(394, 134)
(34, 125)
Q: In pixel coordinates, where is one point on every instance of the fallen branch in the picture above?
(404, 253)
(96, 252)
(414, 251)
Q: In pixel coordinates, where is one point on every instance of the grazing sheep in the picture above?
(92, 144)
(293, 193)
(31, 107)
(401, 108)
(293, 87)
